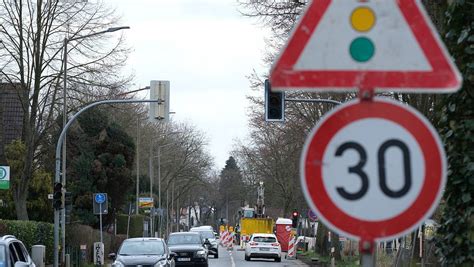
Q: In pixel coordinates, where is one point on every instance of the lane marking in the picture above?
(232, 259)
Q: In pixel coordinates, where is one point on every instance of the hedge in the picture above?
(40, 233)
(77, 235)
(31, 233)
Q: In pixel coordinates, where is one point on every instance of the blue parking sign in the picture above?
(100, 198)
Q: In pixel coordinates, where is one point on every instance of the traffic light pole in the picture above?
(329, 101)
(57, 178)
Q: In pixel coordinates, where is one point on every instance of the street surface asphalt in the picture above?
(235, 258)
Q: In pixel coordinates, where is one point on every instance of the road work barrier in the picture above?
(291, 248)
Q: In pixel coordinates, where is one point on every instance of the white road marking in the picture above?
(232, 259)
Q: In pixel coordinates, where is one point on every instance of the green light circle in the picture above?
(362, 49)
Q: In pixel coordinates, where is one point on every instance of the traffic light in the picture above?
(294, 219)
(58, 196)
(160, 90)
(274, 104)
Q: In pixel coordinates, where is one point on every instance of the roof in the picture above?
(185, 233)
(200, 230)
(8, 238)
(208, 227)
(263, 234)
(142, 239)
(284, 221)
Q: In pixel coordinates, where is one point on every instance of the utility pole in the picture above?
(160, 218)
(167, 213)
(172, 204)
(138, 164)
(178, 212)
(150, 173)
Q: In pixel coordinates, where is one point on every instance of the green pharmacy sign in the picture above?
(4, 177)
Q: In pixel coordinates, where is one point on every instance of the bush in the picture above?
(31, 233)
(77, 235)
(136, 225)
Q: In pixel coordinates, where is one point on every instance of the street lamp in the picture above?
(159, 178)
(66, 41)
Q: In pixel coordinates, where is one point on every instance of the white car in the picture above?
(263, 246)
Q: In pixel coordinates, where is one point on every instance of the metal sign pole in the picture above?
(367, 247)
(367, 253)
(100, 221)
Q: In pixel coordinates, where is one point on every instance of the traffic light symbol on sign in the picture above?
(274, 104)
(362, 49)
(58, 196)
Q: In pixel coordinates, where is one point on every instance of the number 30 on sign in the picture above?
(373, 170)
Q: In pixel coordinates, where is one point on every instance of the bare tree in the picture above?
(32, 34)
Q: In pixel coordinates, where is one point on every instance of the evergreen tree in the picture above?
(103, 156)
(456, 124)
(231, 189)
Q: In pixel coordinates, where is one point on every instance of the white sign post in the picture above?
(98, 253)
(373, 170)
(101, 199)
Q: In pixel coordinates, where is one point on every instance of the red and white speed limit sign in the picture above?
(373, 170)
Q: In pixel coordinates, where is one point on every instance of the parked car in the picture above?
(263, 246)
(209, 235)
(189, 249)
(13, 253)
(143, 251)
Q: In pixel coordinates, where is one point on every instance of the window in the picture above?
(13, 255)
(248, 213)
(264, 239)
(184, 239)
(142, 247)
(205, 234)
(21, 251)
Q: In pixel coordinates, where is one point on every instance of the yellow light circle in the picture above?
(362, 19)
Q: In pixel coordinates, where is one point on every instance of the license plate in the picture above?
(264, 249)
(184, 259)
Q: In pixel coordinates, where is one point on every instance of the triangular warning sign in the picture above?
(341, 45)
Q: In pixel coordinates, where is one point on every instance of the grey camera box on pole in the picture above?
(38, 253)
(160, 111)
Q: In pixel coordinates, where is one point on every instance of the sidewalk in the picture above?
(307, 261)
(295, 262)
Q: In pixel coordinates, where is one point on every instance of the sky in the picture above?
(205, 48)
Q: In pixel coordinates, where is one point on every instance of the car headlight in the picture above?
(201, 254)
(161, 263)
(118, 264)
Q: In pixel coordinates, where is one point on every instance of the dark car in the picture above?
(209, 235)
(143, 251)
(189, 249)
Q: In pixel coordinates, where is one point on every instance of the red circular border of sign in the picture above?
(414, 123)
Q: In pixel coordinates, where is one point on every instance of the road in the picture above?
(235, 258)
